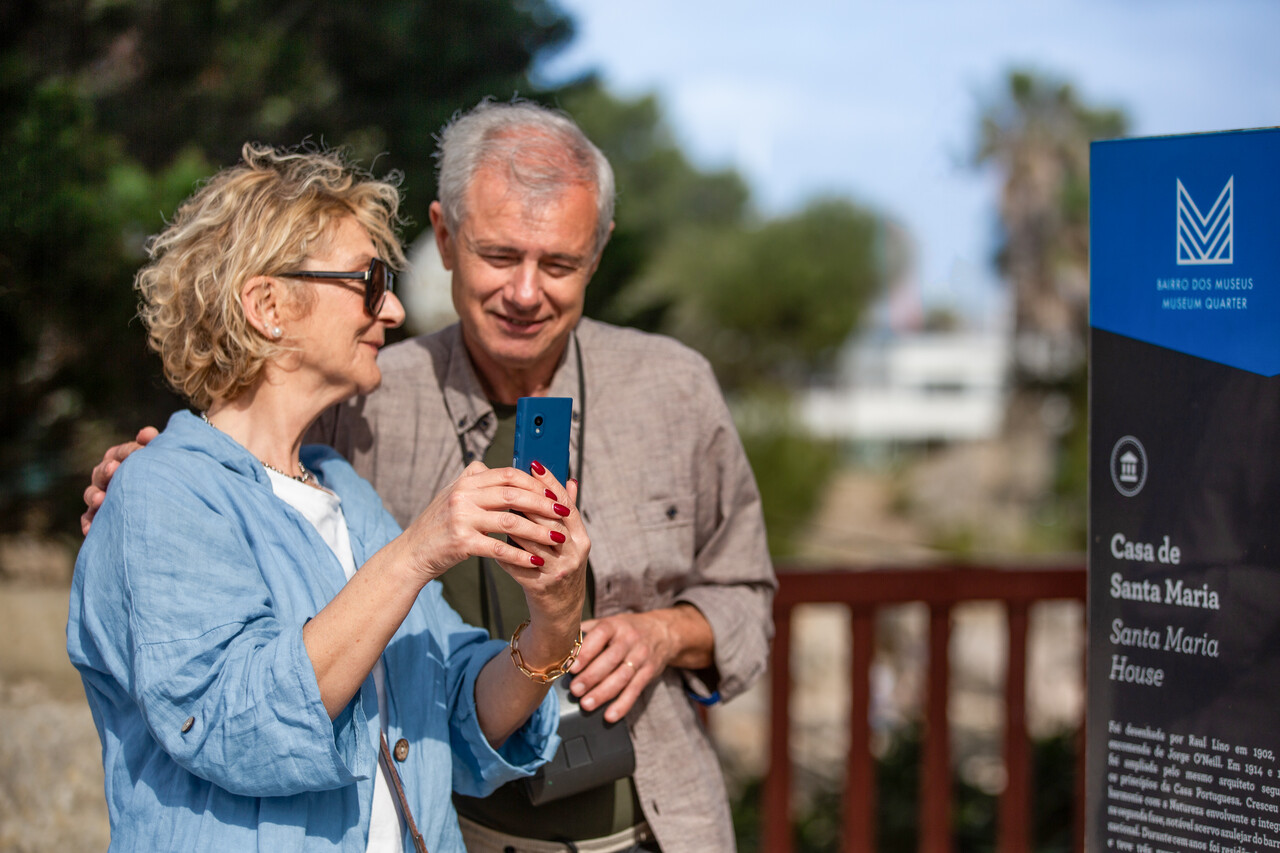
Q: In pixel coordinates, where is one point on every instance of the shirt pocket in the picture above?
(667, 531)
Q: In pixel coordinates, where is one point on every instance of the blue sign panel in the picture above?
(1184, 495)
(1183, 236)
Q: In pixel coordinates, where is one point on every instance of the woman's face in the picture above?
(336, 340)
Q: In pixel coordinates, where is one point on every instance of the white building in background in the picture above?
(914, 388)
(425, 288)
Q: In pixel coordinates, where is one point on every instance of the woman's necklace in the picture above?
(305, 477)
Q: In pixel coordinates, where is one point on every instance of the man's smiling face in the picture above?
(520, 271)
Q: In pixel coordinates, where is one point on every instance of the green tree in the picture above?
(769, 304)
(109, 115)
(72, 214)
(660, 194)
(379, 78)
(1036, 133)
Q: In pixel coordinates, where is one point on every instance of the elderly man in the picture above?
(680, 579)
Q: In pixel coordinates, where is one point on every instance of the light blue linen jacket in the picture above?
(185, 623)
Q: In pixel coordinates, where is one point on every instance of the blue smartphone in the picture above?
(542, 434)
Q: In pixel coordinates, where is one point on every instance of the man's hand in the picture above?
(103, 471)
(622, 653)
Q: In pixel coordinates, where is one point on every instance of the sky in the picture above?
(879, 102)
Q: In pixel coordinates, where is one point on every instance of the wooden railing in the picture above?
(940, 588)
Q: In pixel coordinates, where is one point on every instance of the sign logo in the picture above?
(1207, 238)
(1129, 466)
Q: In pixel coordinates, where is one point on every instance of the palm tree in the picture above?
(1037, 135)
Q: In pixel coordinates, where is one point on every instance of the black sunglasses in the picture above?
(378, 280)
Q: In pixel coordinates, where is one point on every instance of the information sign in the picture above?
(1184, 553)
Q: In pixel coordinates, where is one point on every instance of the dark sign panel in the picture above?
(1184, 554)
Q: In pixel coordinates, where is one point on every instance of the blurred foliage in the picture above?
(1071, 477)
(72, 214)
(660, 194)
(817, 823)
(1036, 133)
(770, 303)
(942, 319)
(112, 112)
(791, 467)
(1053, 781)
(379, 78)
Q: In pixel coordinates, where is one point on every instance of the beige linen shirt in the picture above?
(668, 500)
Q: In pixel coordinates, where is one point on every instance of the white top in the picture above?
(323, 509)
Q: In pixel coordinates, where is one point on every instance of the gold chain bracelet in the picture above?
(550, 674)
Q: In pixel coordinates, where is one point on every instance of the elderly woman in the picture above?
(268, 662)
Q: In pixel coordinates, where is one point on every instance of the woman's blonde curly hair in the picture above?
(263, 216)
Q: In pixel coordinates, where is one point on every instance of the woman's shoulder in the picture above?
(159, 491)
(187, 454)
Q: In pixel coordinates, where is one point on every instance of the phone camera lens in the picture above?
(537, 421)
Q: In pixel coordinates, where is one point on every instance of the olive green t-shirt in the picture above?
(497, 603)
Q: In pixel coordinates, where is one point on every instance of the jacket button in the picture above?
(187, 724)
(402, 749)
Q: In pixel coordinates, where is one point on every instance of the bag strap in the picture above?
(394, 775)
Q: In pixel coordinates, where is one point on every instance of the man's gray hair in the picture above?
(542, 151)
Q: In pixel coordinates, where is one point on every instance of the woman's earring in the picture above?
(276, 332)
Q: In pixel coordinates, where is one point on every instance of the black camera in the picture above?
(592, 752)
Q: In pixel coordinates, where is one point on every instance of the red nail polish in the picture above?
(557, 537)
(537, 468)
(550, 494)
(573, 480)
(536, 560)
(560, 509)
